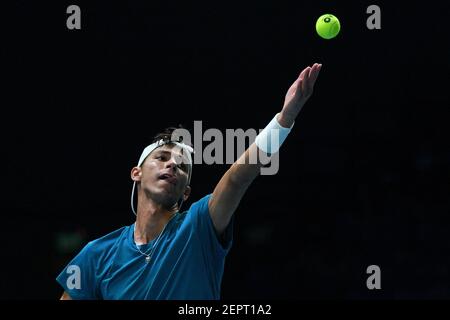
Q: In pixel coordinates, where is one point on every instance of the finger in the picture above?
(315, 68)
(304, 88)
(292, 89)
(299, 91)
(313, 76)
(302, 74)
(316, 73)
(305, 80)
(308, 71)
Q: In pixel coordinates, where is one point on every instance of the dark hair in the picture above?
(166, 135)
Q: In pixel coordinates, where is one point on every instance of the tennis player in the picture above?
(168, 253)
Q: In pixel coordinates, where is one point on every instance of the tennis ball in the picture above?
(328, 26)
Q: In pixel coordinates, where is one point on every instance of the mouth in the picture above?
(169, 178)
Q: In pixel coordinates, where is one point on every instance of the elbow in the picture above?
(242, 177)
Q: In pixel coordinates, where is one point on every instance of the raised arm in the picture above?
(232, 186)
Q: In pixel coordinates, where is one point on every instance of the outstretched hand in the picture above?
(298, 94)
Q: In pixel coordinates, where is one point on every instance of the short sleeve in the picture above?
(218, 245)
(78, 278)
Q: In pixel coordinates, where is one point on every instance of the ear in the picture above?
(187, 193)
(136, 173)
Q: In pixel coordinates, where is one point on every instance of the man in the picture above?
(168, 254)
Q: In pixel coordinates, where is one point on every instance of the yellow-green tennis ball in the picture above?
(328, 26)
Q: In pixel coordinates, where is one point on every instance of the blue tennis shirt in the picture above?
(187, 262)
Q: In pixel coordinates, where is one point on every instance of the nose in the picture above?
(172, 163)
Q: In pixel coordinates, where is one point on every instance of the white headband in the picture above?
(149, 150)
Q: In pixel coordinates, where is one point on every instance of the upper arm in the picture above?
(65, 296)
(231, 188)
(224, 202)
(79, 278)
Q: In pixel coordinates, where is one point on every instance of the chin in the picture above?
(164, 194)
(167, 198)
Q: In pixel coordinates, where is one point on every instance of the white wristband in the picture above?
(272, 136)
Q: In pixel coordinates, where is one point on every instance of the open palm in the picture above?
(301, 90)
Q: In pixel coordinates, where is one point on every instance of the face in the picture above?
(164, 175)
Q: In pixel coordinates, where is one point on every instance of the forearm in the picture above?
(247, 167)
(249, 164)
(232, 187)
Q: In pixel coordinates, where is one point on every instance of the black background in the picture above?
(364, 176)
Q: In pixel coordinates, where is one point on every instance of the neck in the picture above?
(151, 219)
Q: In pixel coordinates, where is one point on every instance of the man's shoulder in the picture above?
(201, 203)
(103, 244)
(196, 210)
